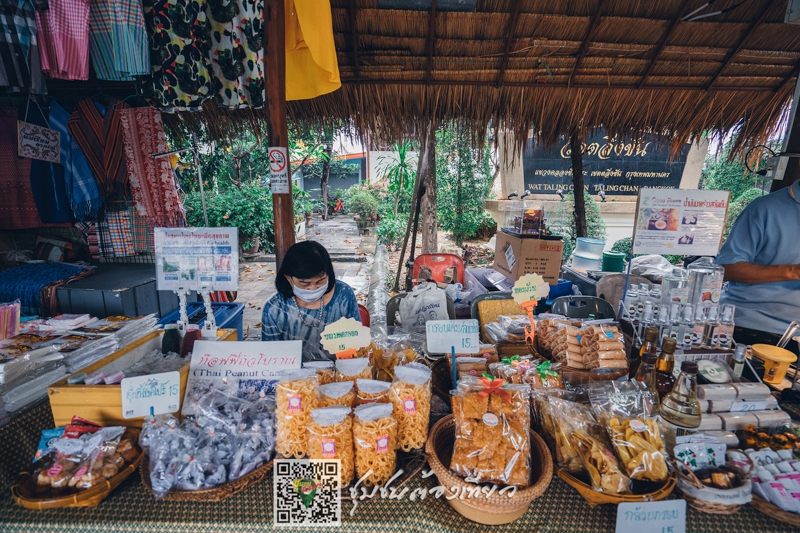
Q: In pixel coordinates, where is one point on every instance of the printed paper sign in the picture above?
(679, 222)
(197, 259)
(443, 335)
(156, 394)
(344, 334)
(37, 142)
(510, 259)
(279, 170)
(530, 287)
(652, 517)
(240, 364)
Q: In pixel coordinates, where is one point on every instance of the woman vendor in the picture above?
(309, 298)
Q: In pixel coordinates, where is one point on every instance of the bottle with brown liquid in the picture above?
(650, 346)
(646, 374)
(665, 364)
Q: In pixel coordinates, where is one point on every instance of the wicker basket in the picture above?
(442, 380)
(772, 510)
(497, 508)
(594, 498)
(708, 499)
(90, 497)
(214, 494)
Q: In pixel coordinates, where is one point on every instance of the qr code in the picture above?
(307, 492)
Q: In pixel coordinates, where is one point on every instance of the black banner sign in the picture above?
(615, 165)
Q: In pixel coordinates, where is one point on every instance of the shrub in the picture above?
(392, 230)
(563, 222)
(361, 202)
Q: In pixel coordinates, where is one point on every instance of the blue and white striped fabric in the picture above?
(118, 40)
(283, 320)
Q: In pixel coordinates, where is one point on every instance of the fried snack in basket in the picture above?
(600, 464)
(338, 393)
(411, 398)
(295, 397)
(330, 436)
(492, 423)
(564, 416)
(544, 375)
(324, 369)
(353, 369)
(375, 439)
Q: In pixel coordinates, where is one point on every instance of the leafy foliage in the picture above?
(399, 172)
(563, 222)
(362, 202)
(625, 245)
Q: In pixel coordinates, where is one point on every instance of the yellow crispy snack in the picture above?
(334, 442)
(294, 401)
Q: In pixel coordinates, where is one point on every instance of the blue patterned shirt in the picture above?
(284, 320)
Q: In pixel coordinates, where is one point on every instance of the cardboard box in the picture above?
(516, 256)
(103, 403)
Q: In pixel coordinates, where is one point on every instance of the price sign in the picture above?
(530, 287)
(156, 394)
(740, 407)
(444, 335)
(652, 517)
(345, 334)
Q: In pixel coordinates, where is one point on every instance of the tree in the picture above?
(563, 222)
(399, 173)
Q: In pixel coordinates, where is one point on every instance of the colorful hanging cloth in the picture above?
(152, 181)
(116, 230)
(179, 37)
(141, 233)
(237, 52)
(64, 39)
(118, 40)
(100, 138)
(20, 67)
(311, 65)
(17, 206)
(84, 194)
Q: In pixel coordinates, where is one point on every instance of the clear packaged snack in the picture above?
(326, 373)
(296, 396)
(353, 369)
(411, 397)
(384, 364)
(339, 393)
(375, 440)
(330, 436)
(371, 391)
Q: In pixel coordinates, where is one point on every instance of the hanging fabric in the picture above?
(179, 36)
(237, 53)
(141, 233)
(312, 68)
(83, 192)
(47, 179)
(100, 138)
(20, 67)
(64, 39)
(118, 40)
(89, 230)
(116, 230)
(17, 206)
(152, 181)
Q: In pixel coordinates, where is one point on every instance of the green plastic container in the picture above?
(613, 261)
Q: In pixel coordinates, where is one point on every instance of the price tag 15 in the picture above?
(652, 517)
(156, 394)
(444, 335)
(345, 334)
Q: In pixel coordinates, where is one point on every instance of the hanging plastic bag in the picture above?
(425, 302)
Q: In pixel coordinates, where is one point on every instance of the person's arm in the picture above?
(270, 330)
(351, 304)
(743, 272)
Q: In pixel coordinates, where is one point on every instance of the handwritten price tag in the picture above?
(652, 517)
(345, 334)
(740, 407)
(530, 287)
(156, 394)
(443, 335)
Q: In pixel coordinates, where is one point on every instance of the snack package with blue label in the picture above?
(45, 443)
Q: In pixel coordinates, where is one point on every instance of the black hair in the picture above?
(304, 260)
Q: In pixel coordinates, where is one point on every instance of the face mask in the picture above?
(309, 296)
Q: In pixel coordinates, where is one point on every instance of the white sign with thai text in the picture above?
(156, 394)
(279, 170)
(444, 335)
(652, 517)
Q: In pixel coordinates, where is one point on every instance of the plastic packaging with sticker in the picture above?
(411, 397)
(371, 391)
(353, 369)
(330, 436)
(296, 396)
(375, 440)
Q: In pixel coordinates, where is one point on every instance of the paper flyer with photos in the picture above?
(197, 259)
(679, 221)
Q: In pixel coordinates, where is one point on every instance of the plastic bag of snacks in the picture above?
(544, 375)
(296, 395)
(375, 439)
(492, 424)
(411, 398)
(340, 393)
(385, 363)
(330, 436)
(565, 417)
(324, 369)
(599, 462)
(602, 346)
(371, 391)
(353, 369)
(512, 368)
(627, 413)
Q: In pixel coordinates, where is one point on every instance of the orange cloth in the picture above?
(311, 65)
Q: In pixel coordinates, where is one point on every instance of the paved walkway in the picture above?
(351, 255)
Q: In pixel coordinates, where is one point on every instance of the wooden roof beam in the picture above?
(511, 30)
(663, 43)
(431, 40)
(735, 50)
(586, 41)
(351, 8)
(795, 73)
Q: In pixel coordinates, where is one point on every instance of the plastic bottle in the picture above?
(644, 291)
(662, 321)
(699, 327)
(737, 360)
(650, 341)
(631, 301)
(655, 296)
(723, 334)
(711, 324)
(680, 406)
(705, 282)
(646, 373)
(686, 328)
(674, 320)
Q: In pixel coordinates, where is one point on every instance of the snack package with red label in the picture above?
(80, 426)
(492, 431)
(295, 397)
(411, 398)
(330, 436)
(375, 441)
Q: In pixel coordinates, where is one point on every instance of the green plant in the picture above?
(626, 244)
(248, 208)
(362, 203)
(563, 222)
(391, 230)
(399, 170)
(737, 206)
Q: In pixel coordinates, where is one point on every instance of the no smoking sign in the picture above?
(278, 172)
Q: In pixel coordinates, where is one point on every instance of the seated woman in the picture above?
(309, 298)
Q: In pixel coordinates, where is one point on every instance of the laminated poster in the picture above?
(197, 259)
(679, 221)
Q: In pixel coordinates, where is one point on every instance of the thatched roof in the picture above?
(553, 66)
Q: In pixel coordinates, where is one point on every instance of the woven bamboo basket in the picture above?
(497, 508)
(772, 510)
(214, 494)
(708, 499)
(442, 380)
(90, 497)
(411, 463)
(594, 498)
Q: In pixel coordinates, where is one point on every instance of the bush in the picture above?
(392, 230)
(625, 245)
(361, 202)
(737, 206)
(563, 222)
(248, 208)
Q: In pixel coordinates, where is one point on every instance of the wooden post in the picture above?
(275, 73)
(323, 179)
(577, 182)
(430, 227)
